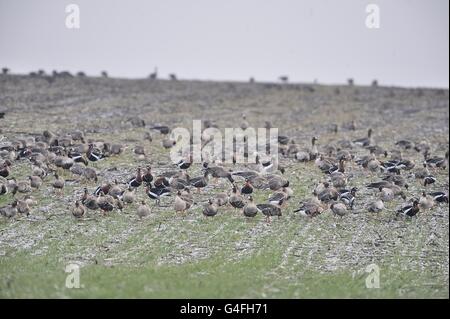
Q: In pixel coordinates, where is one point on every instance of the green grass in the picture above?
(214, 278)
(228, 256)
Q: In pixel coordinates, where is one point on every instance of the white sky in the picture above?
(233, 39)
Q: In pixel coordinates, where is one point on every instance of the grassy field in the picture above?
(166, 255)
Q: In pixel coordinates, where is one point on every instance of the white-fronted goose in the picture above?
(269, 210)
(157, 193)
(426, 201)
(236, 200)
(210, 209)
(348, 196)
(339, 209)
(375, 206)
(128, 196)
(143, 210)
(180, 204)
(58, 183)
(365, 141)
(440, 197)
(409, 210)
(9, 211)
(79, 210)
(250, 209)
(89, 201)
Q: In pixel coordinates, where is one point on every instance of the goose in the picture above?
(184, 163)
(103, 188)
(377, 150)
(305, 155)
(163, 129)
(344, 155)
(93, 154)
(395, 166)
(437, 162)
(58, 183)
(179, 204)
(186, 195)
(200, 182)
(326, 165)
(422, 147)
(3, 189)
(373, 164)
(38, 171)
(365, 141)
(148, 177)
(283, 140)
(379, 184)
(23, 208)
(168, 143)
(376, 206)
(310, 208)
(409, 210)
(105, 203)
(136, 181)
(154, 75)
(244, 124)
(5, 168)
(247, 175)
(328, 194)
(114, 149)
(157, 193)
(386, 194)
(405, 144)
(218, 172)
(128, 196)
(143, 210)
(77, 157)
(278, 198)
(90, 174)
(161, 181)
(348, 196)
(30, 200)
(320, 188)
(210, 209)
(250, 209)
(396, 179)
(259, 182)
(363, 161)
(221, 199)
(247, 189)
(269, 210)
(179, 182)
(35, 182)
(276, 182)
(79, 210)
(338, 177)
(428, 180)
(139, 150)
(115, 191)
(292, 149)
(440, 197)
(63, 162)
(338, 209)
(236, 200)
(89, 201)
(422, 172)
(426, 201)
(350, 126)
(10, 210)
(270, 166)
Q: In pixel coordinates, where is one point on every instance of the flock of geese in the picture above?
(52, 155)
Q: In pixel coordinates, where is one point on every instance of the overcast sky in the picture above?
(325, 40)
